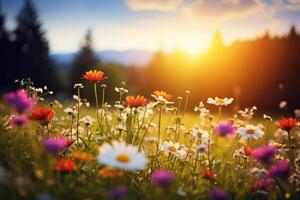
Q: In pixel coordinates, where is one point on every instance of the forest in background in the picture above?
(250, 71)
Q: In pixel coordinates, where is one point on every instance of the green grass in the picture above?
(29, 169)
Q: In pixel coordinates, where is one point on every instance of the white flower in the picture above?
(78, 85)
(251, 131)
(121, 156)
(282, 104)
(201, 108)
(267, 117)
(297, 113)
(181, 192)
(70, 110)
(200, 134)
(174, 148)
(220, 102)
(161, 100)
(202, 148)
(170, 147)
(87, 120)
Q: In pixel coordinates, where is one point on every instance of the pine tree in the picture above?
(85, 60)
(32, 50)
(6, 56)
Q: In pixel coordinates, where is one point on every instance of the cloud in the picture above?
(160, 5)
(217, 10)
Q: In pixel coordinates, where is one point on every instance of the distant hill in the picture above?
(128, 57)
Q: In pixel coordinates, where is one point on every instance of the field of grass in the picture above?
(145, 150)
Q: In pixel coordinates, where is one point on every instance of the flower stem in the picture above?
(159, 125)
(291, 152)
(97, 104)
(78, 105)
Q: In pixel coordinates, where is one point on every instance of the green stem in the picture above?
(291, 151)
(159, 125)
(145, 133)
(78, 105)
(97, 104)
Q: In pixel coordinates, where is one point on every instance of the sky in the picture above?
(153, 24)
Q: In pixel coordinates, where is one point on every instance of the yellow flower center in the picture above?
(124, 158)
(220, 101)
(172, 148)
(250, 131)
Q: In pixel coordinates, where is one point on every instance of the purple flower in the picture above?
(119, 192)
(264, 154)
(281, 169)
(264, 184)
(162, 178)
(19, 100)
(225, 128)
(56, 144)
(217, 194)
(17, 120)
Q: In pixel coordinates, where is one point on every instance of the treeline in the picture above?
(250, 71)
(24, 52)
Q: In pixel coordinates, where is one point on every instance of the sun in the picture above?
(194, 47)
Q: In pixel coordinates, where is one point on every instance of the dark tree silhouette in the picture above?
(84, 60)
(32, 50)
(6, 56)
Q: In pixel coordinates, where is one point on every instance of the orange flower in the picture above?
(94, 76)
(207, 173)
(110, 172)
(287, 124)
(83, 156)
(136, 102)
(64, 165)
(163, 94)
(247, 150)
(43, 115)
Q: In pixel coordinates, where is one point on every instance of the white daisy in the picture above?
(251, 131)
(220, 102)
(200, 134)
(121, 156)
(170, 147)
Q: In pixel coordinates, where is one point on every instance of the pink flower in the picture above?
(56, 144)
(162, 178)
(225, 128)
(281, 169)
(17, 121)
(19, 101)
(264, 154)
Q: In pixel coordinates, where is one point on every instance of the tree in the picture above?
(32, 50)
(84, 60)
(6, 57)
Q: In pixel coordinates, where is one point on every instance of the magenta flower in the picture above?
(17, 121)
(119, 192)
(19, 101)
(56, 144)
(281, 169)
(264, 154)
(225, 128)
(162, 178)
(217, 194)
(263, 184)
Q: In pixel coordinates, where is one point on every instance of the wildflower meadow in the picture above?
(149, 146)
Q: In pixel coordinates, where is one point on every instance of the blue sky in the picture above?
(147, 24)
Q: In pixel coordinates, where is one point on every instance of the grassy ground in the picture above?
(27, 169)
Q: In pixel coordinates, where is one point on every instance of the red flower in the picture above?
(94, 76)
(43, 115)
(64, 165)
(287, 124)
(207, 173)
(136, 101)
(247, 150)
